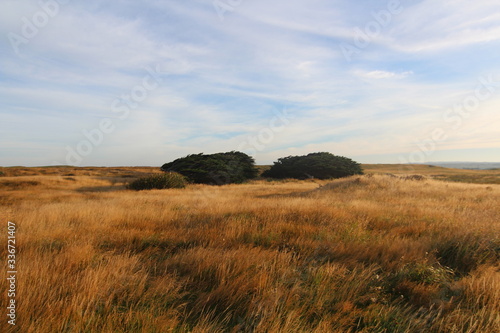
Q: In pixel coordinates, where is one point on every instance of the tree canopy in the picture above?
(321, 165)
(214, 169)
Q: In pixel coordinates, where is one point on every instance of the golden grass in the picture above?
(373, 253)
(448, 174)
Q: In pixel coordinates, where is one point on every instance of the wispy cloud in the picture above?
(432, 26)
(379, 74)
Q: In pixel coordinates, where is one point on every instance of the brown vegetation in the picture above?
(439, 173)
(373, 253)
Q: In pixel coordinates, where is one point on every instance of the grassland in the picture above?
(383, 252)
(447, 174)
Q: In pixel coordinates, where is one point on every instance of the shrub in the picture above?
(215, 169)
(161, 181)
(314, 165)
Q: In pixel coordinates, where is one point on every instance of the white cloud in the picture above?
(431, 26)
(379, 74)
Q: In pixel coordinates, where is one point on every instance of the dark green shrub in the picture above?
(161, 181)
(314, 165)
(215, 169)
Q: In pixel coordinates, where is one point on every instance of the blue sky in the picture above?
(144, 82)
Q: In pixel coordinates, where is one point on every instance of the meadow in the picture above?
(387, 251)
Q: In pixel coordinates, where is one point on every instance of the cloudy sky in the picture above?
(127, 82)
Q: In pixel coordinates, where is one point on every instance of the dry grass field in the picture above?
(382, 252)
(448, 174)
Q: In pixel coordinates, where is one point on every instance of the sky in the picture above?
(136, 83)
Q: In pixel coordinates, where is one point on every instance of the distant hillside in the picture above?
(437, 172)
(468, 165)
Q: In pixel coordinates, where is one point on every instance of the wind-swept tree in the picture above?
(315, 165)
(215, 169)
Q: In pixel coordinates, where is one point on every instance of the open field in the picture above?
(122, 174)
(439, 173)
(382, 252)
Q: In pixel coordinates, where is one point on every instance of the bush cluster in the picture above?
(215, 169)
(161, 181)
(315, 165)
(237, 167)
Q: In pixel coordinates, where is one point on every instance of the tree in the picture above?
(315, 165)
(215, 169)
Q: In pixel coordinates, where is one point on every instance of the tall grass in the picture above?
(363, 254)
